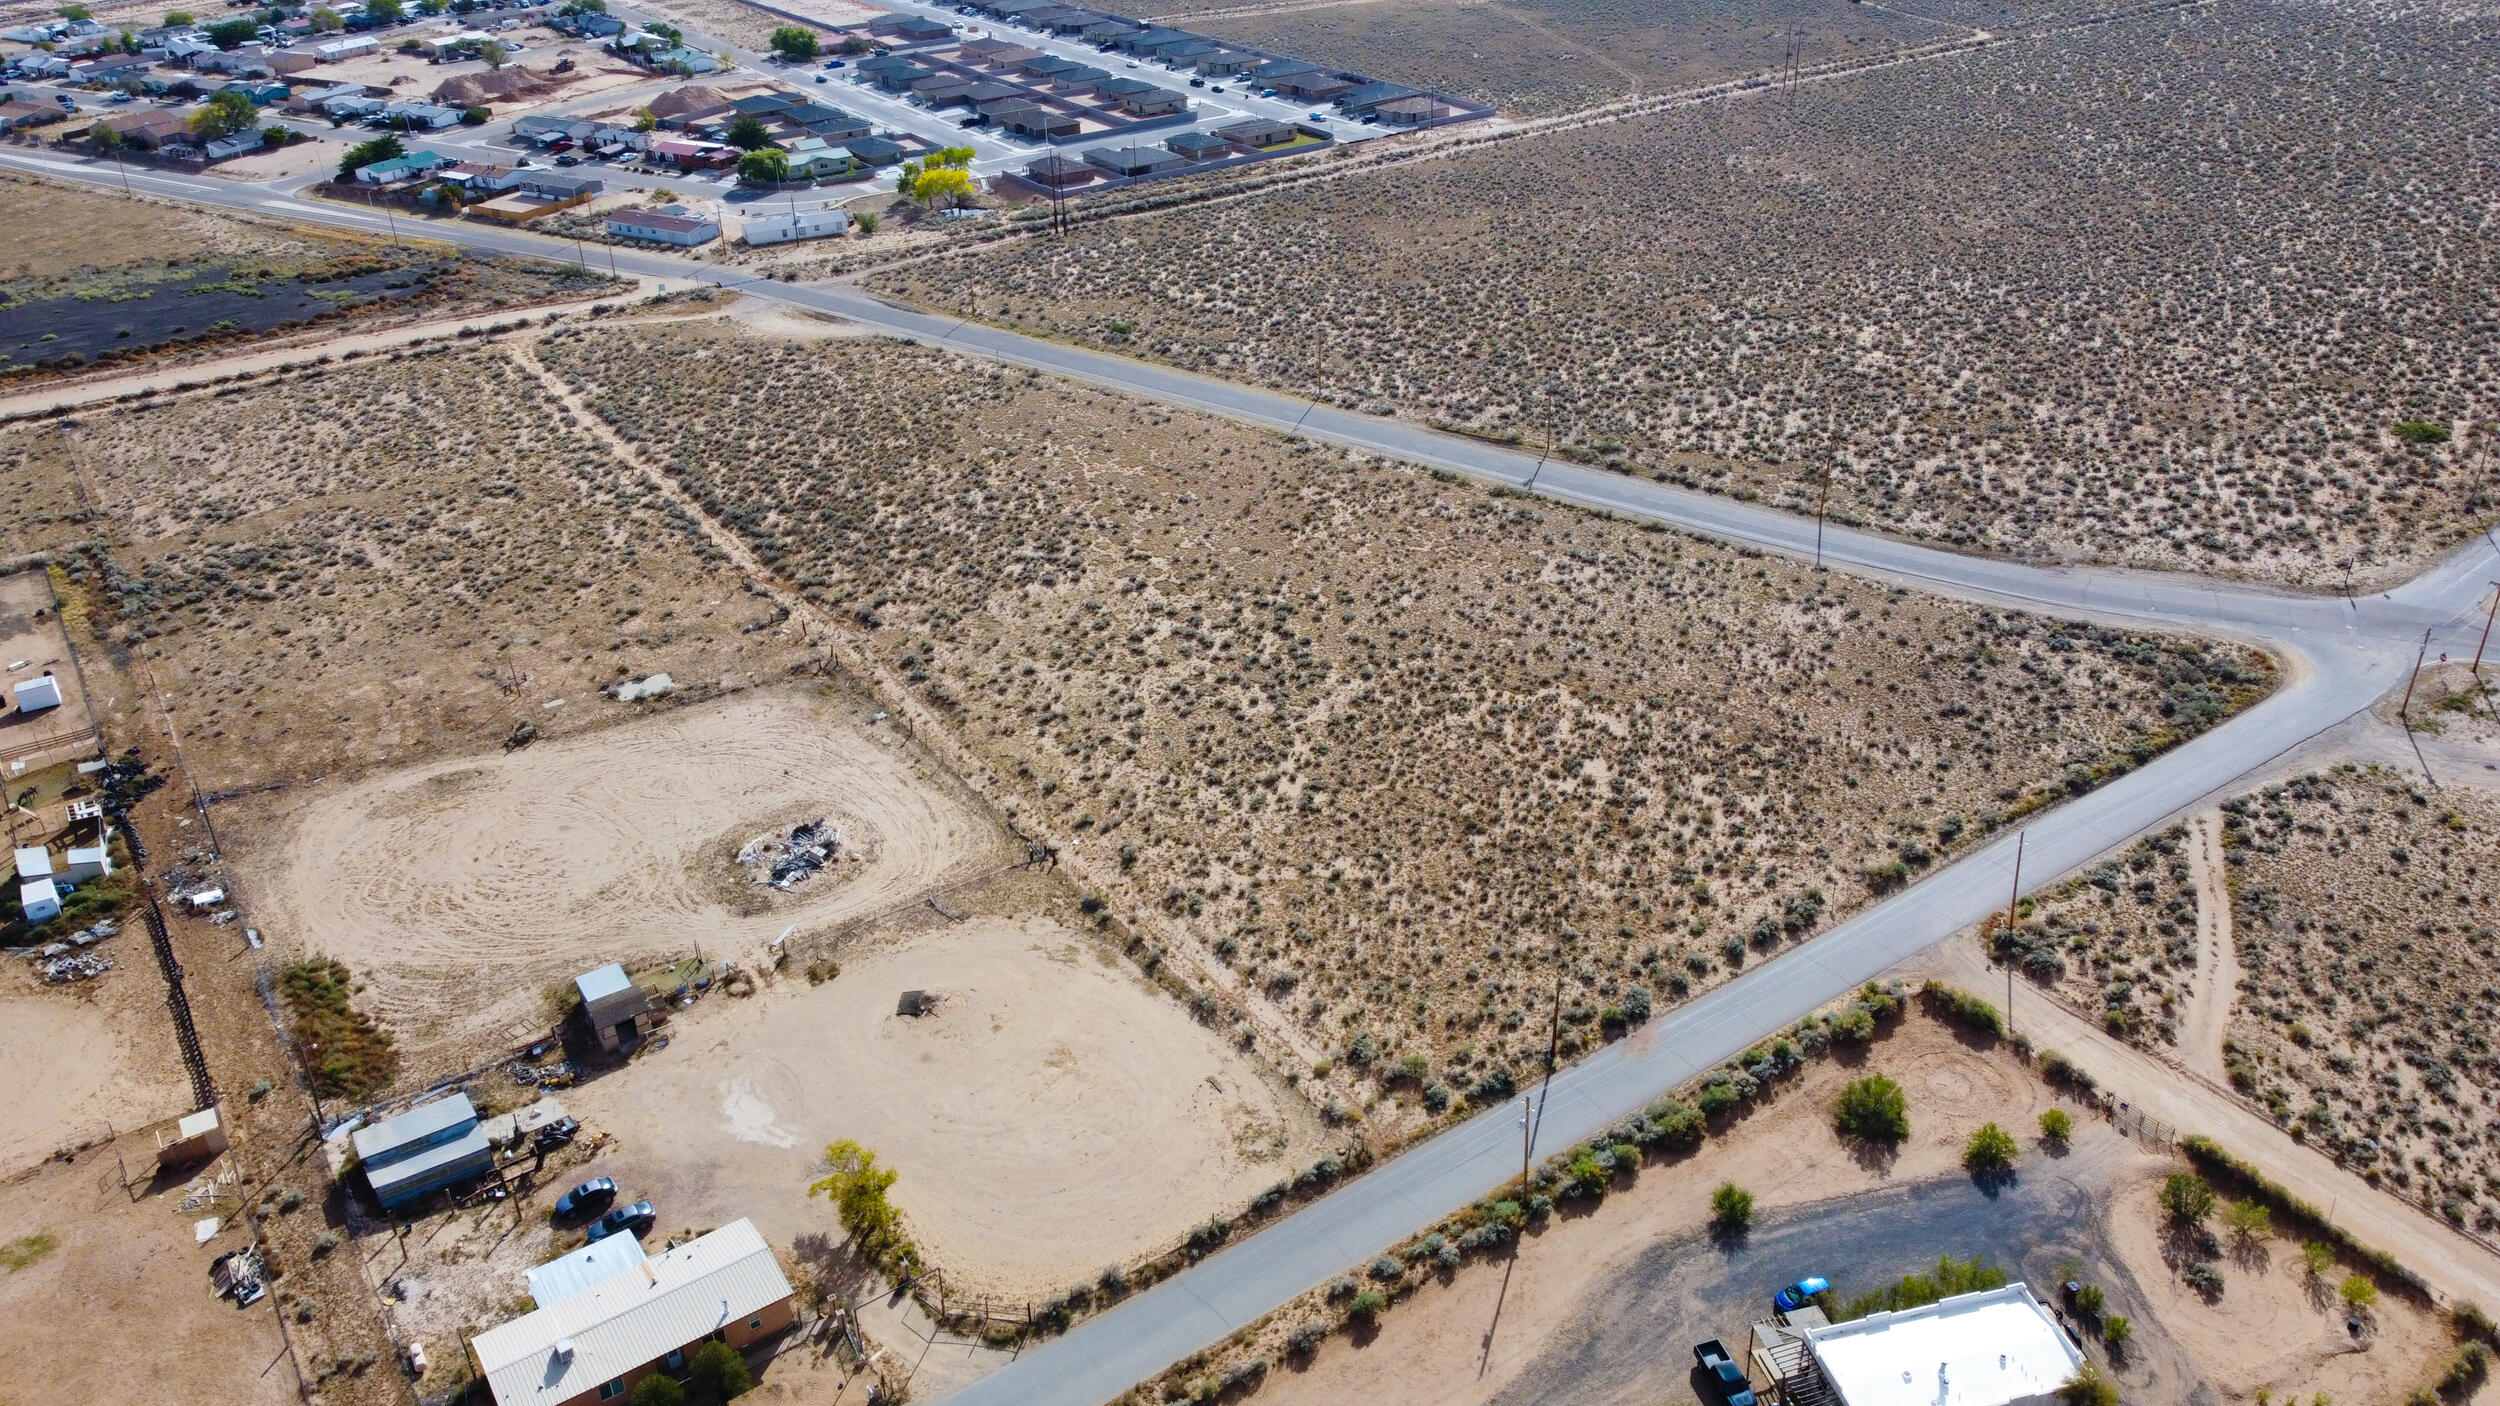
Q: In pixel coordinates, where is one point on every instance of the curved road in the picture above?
(2340, 657)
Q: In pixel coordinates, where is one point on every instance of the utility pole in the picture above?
(2013, 902)
(2486, 639)
(1821, 500)
(1553, 1040)
(2404, 714)
(2348, 600)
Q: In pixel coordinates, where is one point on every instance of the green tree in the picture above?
(363, 154)
(2248, 1221)
(76, 12)
(2187, 1198)
(658, 1389)
(495, 54)
(1873, 1108)
(107, 141)
(2056, 1127)
(2421, 432)
(223, 115)
(1990, 1151)
(2317, 1258)
(2357, 1291)
(1731, 1207)
(584, 7)
(233, 34)
(476, 117)
(720, 1370)
(431, 7)
(867, 222)
(857, 1185)
(749, 133)
(676, 37)
(178, 17)
(770, 166)
(645, 120)
(796, 43)
(953, 158)
(2116, 1331)
(385, 11)
(326, 21)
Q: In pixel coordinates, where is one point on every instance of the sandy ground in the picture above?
(125, 1297)
(1581, 1321)
(71, 1070)
(31, 645)
(464, 889)
(277, 165)
(1055, 1115)
(2217, 958)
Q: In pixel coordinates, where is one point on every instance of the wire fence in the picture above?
(2142, 1126)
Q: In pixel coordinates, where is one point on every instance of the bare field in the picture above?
(614, 845)
(76, 1060)
(1535, 57)
(1371, 802)
(1056, 1113)
(376, 564)
(2095, 294)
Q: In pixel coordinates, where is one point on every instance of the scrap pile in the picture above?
(784, 861)
(237, 1274)
(74, 966)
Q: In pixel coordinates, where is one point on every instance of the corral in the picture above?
(619, 845)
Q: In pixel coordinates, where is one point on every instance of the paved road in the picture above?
(2340, 657)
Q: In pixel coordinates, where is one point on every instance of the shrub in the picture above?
(2064, 1072)
(2056, 1127)
(2421, 432)
(1873, 1108)
(1436, 1096)
(1731, 1207)
(857, 1185)
(1719, 1098)
(2317, 1257)
(1964, 1009)
(1386, 1268)
(1366, 1305)
(1306, 1338)
(1636, 1004)
(2357, 1291)
(2204, 1276)
(2089, 1300)
(1672, 1125)
(2116, 1330)
(2187, 1197)
(1949, 1277)
(720, 1370)
(1854, 1026)
(659, 1389)
(2248, 1221)
(1990, 1151)
(2089, 1386)
(344, 1053)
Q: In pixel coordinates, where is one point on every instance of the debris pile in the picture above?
(76, 966)
(237, 1274)
(785, 861)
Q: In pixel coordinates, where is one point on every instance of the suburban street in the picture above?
(2339, 656)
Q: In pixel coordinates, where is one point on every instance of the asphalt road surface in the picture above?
(2340, 657)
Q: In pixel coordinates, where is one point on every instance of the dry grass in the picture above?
(2129, 292)
(2118, 940)
(1381, 797)
(381, 562)
(2361, 906)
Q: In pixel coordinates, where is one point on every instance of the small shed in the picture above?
(85, 862)
(198, 1137)
(37, 694)
(33, 862)
(40, 901)
(616, 1009)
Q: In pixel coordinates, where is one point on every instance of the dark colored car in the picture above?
(589, 1198)
(1724, 1376)
(1801, 1293)
(638, 1218)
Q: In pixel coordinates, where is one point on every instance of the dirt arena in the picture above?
(1054, 1115)
(70, 1071)
(461, 891)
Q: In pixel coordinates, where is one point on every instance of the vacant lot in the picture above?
(1532, 57)
(1054, 1115)
(618, 845)
(377, 564)
(85, 1060)
(2128, 292)
(2363, 908)
(1377, 798)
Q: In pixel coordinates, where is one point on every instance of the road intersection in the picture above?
(2340, 656)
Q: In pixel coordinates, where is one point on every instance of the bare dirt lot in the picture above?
(1365, 798)
(1533, 57)
(1056, 1113)
(1603, 1307)
(123, 1298)
(616, 845)
(2060, 297)
(78, 1062)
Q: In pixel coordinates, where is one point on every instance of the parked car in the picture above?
(974, 122)
(1725, 1376)
(568, 159)
(587, 1199)
(837, 63)
(1801, 1293)
(1319, 117)
(1217, 88)
(820, 78)
(1197, 82)
(639, 1217)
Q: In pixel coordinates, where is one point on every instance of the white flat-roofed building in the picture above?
(1998, 1347)
(36, 694)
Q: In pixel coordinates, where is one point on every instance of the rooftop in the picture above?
(600, 1260)
(1985, 1349)
(414, 1126)
(609, 980)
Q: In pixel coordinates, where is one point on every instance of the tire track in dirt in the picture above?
(2208, 1017)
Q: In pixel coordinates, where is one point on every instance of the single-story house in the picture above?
(438, 45)
(250, 61)
(414, 117)
(1079, 80)
(593, 1264)
(1314, 86)
(40, 901)
(336, 50)
(1059, 172)
(143, 131)
(1359, 101)
(686, 61)
(556, 185)
(876, 151)
(413, 166)
(423, 1150)
(1141, 99)
(261, 92)
(1147, 42)
(311, 100)
(1070, 20)
(105, 67)
(1267, 74)
(290, 61)
(41, 65)
(1414, 111)
(939, 90)
(1017, 9)
(1224, 63)
(1011, 56)
(910, 29)
(764, 104)
(232, 145)
(1040, 123)
(1134, 160)
(684, 231)
(594, 1344)
(1260, 134)
(830, 123)
(895, 75)
(803, 224)
(1047, 68)
(1198, 146)
(1108, 31)
(480, 178)
(16, 116)
(688, 156)
(814, 158)
(355, 107)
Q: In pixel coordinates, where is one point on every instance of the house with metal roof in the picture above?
(423, 1150)
(595, 1344)
(600, 1260)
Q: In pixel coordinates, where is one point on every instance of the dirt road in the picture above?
(2217, 989)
